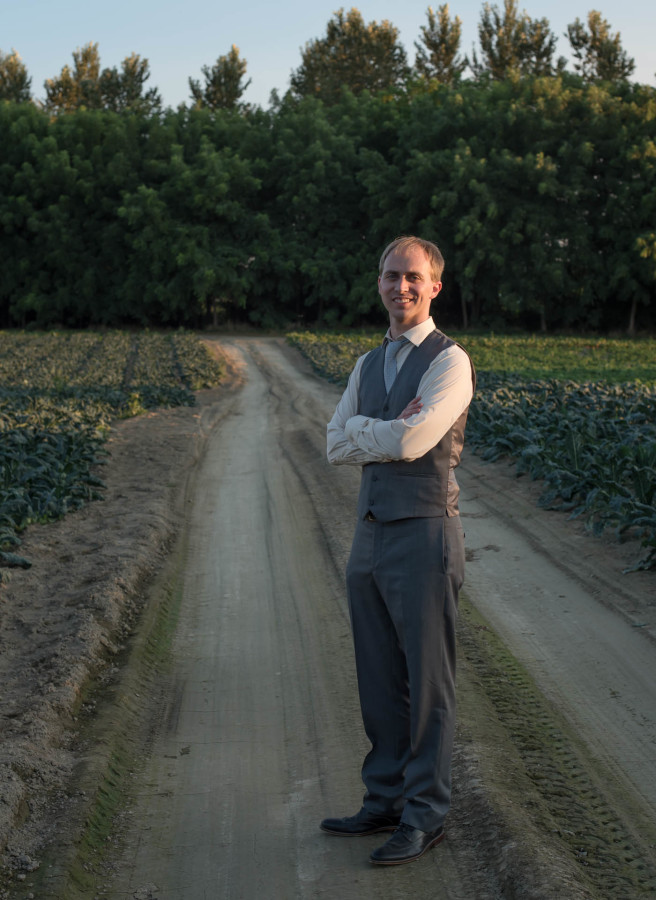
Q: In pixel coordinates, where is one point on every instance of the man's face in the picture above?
(407, 287)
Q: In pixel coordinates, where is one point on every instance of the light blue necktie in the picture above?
(389, 369)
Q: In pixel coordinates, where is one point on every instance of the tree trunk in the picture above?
(632, 317)
(463, 311)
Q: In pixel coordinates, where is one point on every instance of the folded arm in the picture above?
(444, 393)
(341, 450)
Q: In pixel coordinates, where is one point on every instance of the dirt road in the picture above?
(555, 766)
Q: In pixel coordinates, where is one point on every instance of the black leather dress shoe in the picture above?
(363, 822)
(405, 845)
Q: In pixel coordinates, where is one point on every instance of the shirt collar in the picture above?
(418, 333)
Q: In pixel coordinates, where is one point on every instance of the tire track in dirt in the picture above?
(572, 795)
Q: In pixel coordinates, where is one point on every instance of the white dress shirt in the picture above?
(445, 390)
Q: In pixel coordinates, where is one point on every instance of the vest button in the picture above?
(374, 477)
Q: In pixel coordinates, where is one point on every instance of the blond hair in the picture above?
(431, 250)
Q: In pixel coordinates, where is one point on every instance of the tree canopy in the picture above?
(541, 192)
(512, 43)
(224, 83)
(126, 89)
(77, 87)
(354, 54)
(540, 188)
(86, 86)
(598, 53)
(14, 81)
(438, 52)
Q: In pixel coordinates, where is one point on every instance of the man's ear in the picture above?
(437, 287)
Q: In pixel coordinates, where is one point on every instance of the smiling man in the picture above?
(402, 418)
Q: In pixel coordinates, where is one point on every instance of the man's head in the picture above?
(410, 272)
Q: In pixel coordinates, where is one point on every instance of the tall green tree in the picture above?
(86, 86)
(224, 83)
(126, 89)
(438, 52)
(514, 43)
(352, 54)
(598, 53)
(76, 87)
(14, 81)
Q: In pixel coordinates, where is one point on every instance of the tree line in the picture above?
(539, 185)
(541, 192)
(352, 54)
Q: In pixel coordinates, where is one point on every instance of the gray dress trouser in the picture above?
(403, 579)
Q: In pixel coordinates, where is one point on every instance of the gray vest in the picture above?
(424, 486)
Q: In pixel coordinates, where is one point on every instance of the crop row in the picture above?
(593, 447)
(59, 393)
(591, 442)
(533, 357)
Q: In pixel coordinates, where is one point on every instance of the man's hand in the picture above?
(411, 409)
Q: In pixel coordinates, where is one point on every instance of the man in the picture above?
(402, 418)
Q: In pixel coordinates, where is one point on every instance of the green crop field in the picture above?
(59, 393)
(577, 414)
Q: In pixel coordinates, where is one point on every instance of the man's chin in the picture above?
(401, 313)
(406, 318)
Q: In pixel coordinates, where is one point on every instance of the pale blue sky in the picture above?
(179, 37)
